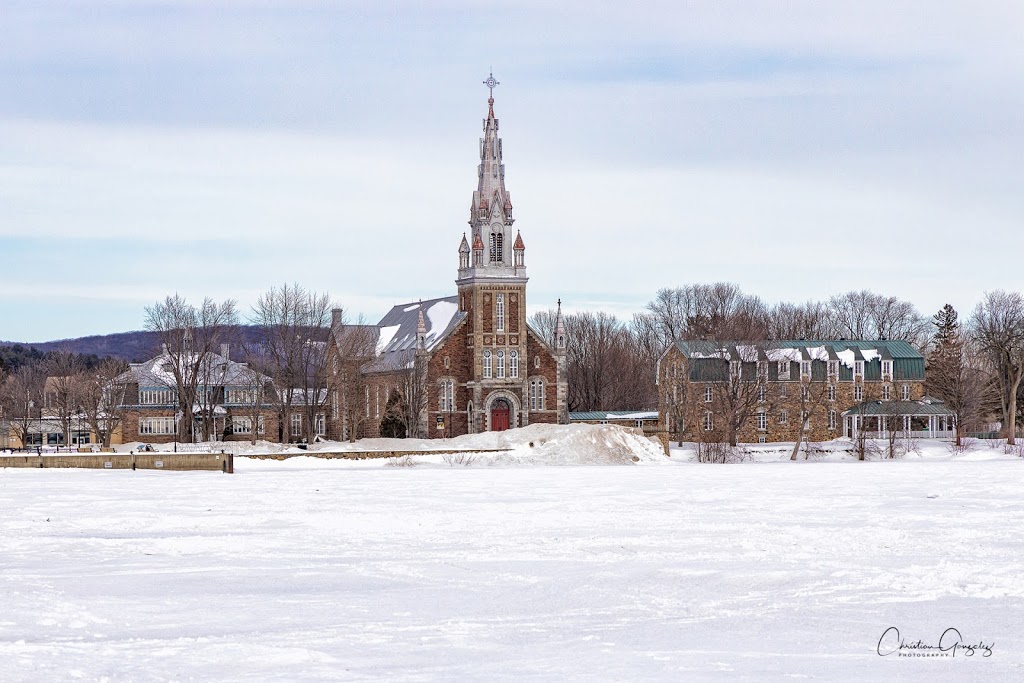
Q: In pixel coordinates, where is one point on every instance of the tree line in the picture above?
(977, 367)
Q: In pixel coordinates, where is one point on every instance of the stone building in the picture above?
(762, 392)
(465, 363)
(231, 397)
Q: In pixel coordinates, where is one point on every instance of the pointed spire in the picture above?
(559, 329)
(519, 241)
(464, 245)
(421, 329)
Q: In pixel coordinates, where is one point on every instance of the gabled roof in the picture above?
(396, 340)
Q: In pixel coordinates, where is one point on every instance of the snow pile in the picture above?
(544, 444)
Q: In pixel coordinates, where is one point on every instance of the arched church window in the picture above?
(499, 311)
(513, 364)
(501, 364)
(536, 361)
(487, 364)
(497, 247)
(536, 394)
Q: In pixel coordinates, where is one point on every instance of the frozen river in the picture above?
(322, 570)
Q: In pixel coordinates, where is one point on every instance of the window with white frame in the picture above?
(239, 396)
(905, 392)
(709, 421)
(536, 394)
(501, 364)
(499, 311)
(783, 369)
(513, 364)
(783, 391)
(783, 416)
(447, 396)
(320, 424)
(833, 368)
(536, 361)
(858, 392)
(760, 393)
(831, 392)
(241, 425)
(157, 396)
(885, 392)
(762, 420)
(858, 368)
(886, 368)
(805, 368)
(832, 419)
(487, 364)
(296, 424)
(708, 396)
(158, 425)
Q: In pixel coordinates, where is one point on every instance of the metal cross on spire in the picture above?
(491, 83)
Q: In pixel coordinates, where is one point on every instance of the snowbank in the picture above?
(538, 444)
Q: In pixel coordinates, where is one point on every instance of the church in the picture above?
(466, 363)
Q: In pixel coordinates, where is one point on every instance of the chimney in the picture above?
(225, 351)
(336, 314)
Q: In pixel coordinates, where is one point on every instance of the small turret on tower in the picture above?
(559, 330)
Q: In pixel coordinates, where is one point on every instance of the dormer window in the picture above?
(833, 368)
(887, 368)
(858, 369)
(805, 368)
(783, 369)
(734, 367)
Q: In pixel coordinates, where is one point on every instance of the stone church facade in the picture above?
(466, 363)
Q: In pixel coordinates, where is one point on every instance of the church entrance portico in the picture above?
(502, 411)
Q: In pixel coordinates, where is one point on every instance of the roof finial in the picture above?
(491, 83)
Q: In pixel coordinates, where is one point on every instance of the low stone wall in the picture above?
(366, 455)
(214, 462)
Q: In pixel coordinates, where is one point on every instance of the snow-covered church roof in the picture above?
(396, 340)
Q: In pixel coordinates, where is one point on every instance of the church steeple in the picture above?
(490, 211)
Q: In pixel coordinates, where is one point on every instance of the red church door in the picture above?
(500, 412)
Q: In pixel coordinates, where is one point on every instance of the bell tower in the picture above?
(492, 278)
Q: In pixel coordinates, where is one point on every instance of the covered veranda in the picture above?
(925, 419)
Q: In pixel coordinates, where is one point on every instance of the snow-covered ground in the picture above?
(330, 569)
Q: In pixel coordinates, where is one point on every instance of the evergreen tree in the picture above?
(392, 426)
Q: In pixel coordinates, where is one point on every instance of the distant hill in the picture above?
(130, 346)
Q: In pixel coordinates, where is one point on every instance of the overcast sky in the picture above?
(799, 149)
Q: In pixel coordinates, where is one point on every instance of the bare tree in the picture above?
(21, 396)
(867, 315)
(813, 396)
(191, 335)
(707, 311)
(103, 391)
(734, 386)
(296, 324)
(63, 389)
(998, 327)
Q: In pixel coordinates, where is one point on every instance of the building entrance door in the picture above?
(500, 412)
